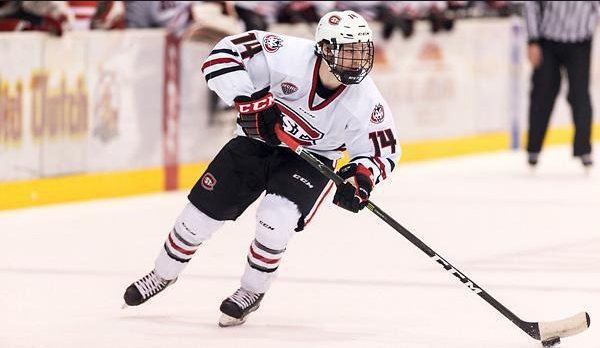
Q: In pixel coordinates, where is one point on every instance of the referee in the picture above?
(560, 36)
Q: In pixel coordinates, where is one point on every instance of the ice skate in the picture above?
(143, 289)
(236, 307)
(532, 158)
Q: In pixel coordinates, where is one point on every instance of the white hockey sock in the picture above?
(191, 229)
(276, 219)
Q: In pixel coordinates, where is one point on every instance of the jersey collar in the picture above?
(311, 96)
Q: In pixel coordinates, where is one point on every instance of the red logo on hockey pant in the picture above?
(256, 105)
(208, 181)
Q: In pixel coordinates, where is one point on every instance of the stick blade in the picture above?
(564, 328)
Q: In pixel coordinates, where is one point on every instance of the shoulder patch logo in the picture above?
(272, 43)
(334, 20)
(378, 114)
(208, 181)
(288, 88)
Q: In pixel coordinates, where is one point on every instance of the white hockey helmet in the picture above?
(345, 42)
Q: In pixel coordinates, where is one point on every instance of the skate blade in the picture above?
(533, 170)
(124, 306)
(227, 321)
(587, 171)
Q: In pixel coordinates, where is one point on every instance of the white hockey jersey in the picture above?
(355, 118)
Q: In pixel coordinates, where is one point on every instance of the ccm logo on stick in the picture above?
(456, 273)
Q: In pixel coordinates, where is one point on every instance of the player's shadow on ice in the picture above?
(255, 328)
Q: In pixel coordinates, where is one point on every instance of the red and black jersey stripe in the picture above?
(222, 60)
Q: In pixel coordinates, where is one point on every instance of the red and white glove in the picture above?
(354, 193)
(258, 115)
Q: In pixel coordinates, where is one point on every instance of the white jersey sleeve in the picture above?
(226, 68)
(371, 140)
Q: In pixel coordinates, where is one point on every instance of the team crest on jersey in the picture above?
(272, 43)
(334, 20)
(288, 88)
(377, 114)
(208, 181)
(298, 127)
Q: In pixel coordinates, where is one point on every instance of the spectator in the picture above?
(109, 15)
(83, 12)
(257, 15)
(174, 15)
(53, 17)
(303, 11)
(400, 15)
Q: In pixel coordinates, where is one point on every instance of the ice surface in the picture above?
(531, 240)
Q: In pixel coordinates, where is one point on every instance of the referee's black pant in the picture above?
(575, 58)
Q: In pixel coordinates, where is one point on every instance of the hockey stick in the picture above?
(549, 332)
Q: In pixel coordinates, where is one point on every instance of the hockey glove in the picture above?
(258, 115)
(354, 193)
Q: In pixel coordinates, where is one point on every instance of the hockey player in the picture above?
(320, 93)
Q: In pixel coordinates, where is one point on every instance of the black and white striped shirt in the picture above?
(563, 21)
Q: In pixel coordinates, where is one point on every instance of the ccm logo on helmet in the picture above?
(256, 106)
(334, 20)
